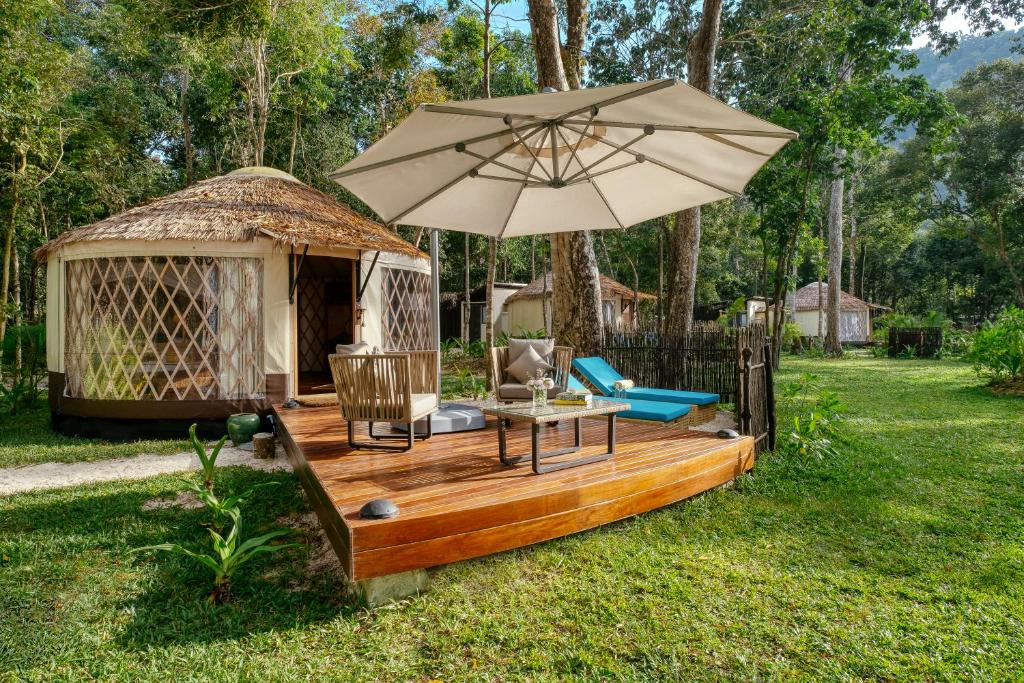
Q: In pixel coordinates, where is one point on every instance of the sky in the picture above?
(956, 23)
(513, 14)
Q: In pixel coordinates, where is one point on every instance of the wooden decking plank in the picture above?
(457, 501)
(447, 549)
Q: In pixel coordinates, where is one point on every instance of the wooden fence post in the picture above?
(769, 394)
(745, 412)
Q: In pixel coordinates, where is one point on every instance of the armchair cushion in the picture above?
(526, 365)
(357, 349)
(543, 347)
(423, 404)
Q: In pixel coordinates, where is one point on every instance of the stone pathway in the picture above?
(52, 475)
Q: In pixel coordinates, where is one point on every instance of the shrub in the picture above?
(790, 335)
(816, 424)
(998, 348)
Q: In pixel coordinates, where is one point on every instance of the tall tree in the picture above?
(684, 242)
(576, 314)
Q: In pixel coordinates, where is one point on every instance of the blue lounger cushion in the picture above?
(603, 377)
(696, 398)
(655, 411)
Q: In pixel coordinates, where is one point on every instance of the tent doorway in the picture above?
(325, 317)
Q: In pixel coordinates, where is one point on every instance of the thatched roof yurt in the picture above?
(224, 297)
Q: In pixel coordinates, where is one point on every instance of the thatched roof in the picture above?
(807, 299)
(240, 207)
(609, 288)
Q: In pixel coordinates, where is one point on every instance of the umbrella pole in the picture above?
(435, 303)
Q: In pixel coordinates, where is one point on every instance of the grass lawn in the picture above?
(902, 559)
(26, 439)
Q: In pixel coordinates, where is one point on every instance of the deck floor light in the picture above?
(379, 508)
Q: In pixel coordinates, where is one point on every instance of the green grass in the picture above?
(26, 439)
(902, 559)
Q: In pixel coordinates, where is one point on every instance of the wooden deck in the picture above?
(458, 502)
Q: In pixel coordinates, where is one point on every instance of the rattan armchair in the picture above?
(386, 387)
(509, 392)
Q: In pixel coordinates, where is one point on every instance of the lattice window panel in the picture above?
(164, 328)
(407, 310)
(312, 326)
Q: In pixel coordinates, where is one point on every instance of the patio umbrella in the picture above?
(597, 158)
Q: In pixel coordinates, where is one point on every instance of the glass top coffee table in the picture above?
(538, 415)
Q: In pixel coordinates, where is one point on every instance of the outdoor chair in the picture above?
(602, 377)
(509, 390)
(386, 387)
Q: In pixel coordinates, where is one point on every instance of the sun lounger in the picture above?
(653, 411)
(603, 377)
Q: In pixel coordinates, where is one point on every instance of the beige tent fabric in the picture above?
(584, 159)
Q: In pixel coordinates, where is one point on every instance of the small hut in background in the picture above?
(524, 310)
(854, 314)
(224, 297)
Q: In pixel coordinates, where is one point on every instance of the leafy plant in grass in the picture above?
(909, 352)
(998, 349)
(227, 509)
(816, 424)
(208, 461)
(228, 554)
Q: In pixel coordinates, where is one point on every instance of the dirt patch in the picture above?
(1010, 387)
(186, 500)
(322, 558)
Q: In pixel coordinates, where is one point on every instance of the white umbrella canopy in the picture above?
(597, 158)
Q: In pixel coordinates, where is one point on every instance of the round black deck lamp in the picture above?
(379, 508)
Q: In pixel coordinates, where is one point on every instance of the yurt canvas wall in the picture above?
(164, 330)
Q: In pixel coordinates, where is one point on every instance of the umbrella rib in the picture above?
(536, 161)
(458, 178)
(515, 202)
(591, 176)
(572, 153)
(447, 109)
(702, 181)
(416, 155)
(617, 148)
(730, 143)
(599, 193)
(652, 87)
(505, 166)
(788, 134)
(670, 168)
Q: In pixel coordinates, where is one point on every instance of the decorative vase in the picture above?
(539, 387)
(241, 427)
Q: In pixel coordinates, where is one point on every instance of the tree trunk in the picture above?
(545, 301)
(852, 247)
(19, 164)
(467, 308)
(546, 45)
(576, 319)
(16, 318)
(487, 50)
(684, 247)
(186, 127)
(575, 32)
(492, 253)
(533, 258)
(661, 270)
(833, 344)
(296, 123)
